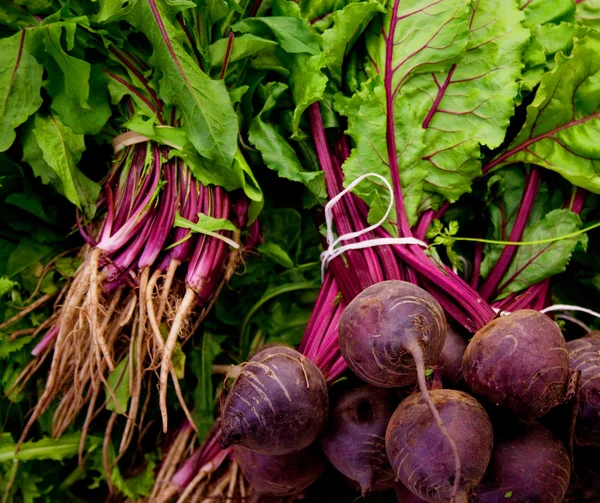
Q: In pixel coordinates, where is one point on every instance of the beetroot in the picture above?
(388, 333)
(403, 495)
(584, 356)
(390, 330)
(450, 361)
(277, 405)
(354, 440)
(281, 475)
(421, 455)
(528, 465)
(519, 362)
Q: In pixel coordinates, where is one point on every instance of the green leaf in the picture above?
(307, 83)
(534, 263)
(209, 118)
(112, 9)
(562, 130)
(20, 84)
(547, 40)
(206, 224)
(139, 485)
(282, 227)
(118, 381)
(78, 90)
(471, 103)
(276, 254)
(215, 9)
(243, 46)
(53, 150)
(415, 38)
(294, 35)
(276, 151)
(26, 254)
(6, 285)
(506, 188)
(47, 448)
(588, 13)
(508, 494)
(546, 11)
(348, 24)
(202, 360)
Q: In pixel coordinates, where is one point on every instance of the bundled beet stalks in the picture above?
(157, 253)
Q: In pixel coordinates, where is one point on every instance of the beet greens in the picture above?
(133, 264)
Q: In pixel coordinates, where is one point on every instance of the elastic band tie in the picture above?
(132, 138)
(332, 252)
(127, 139)
(555, 307)
(567, 307)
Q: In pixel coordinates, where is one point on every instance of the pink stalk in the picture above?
(491, 284)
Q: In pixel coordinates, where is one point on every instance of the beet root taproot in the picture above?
(420, 454)
(281, 475)
(386, 328)
(277, 405)
(354, 439)
(519, 362)
(584, 356)
(528, 465)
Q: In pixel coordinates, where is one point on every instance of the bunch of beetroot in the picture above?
(437, 443)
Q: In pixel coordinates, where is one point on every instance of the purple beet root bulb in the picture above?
(354, 440)
(421, 455)
(387, 328)
(584, 356)
(450, 361)
(519, 362)
(527, 466)
(277, 405)
(281, 475)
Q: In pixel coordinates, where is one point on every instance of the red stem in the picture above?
(227, 54)
(532, 184)
(402, 220)
(438, 98)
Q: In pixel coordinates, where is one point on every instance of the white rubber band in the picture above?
(127, 139)
(567, 307)
(555, 307)
(331, 252)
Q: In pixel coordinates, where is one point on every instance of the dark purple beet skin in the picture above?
(450, 361)
(584, 356)
(277, 405)
(403, 495)
(384, 327)
(422, 457)
(281, 475)
(519, 362)
(527, 466)
(354, 439)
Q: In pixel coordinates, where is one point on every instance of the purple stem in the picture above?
(163, 223)
(136, 220)
(154, 108)
(464, 304)
(191, 41)
(132, 68)
(46, 341)
(532, 185)
(254, 8)
(578, 200)
(227, 55)
(438, 98)
(477, 266)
